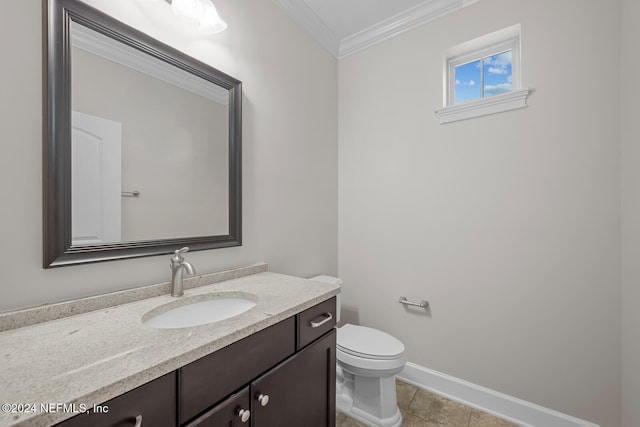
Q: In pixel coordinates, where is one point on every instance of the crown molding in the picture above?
(405, 21)
(427, 11)
(93, 42)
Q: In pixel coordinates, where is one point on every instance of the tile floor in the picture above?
(421, 408)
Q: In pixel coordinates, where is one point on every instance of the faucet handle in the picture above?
(177, 254)
(184, 250)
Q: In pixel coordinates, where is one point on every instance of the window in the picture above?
(483, 77)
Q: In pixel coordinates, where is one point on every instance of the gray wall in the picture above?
(630, 138)
(508, 224)
(290, 153)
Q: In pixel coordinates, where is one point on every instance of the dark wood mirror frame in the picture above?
(57, 247)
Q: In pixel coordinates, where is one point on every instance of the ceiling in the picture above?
(344, 27)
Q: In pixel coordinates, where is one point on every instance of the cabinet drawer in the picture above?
(154, 402)
(210, 379)
(228, 413)
(316, 321)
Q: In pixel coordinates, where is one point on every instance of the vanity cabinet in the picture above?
(289, 368)
(281, 376)
(151, 404)
(210, 379)
(298, 392)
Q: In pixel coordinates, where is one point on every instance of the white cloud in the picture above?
(499, 64)
(471, 83)
(498, 70)
(490, 90)
(458, 82)
(500, 61)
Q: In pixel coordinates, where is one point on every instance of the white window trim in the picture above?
(481, 47)
(482, 107)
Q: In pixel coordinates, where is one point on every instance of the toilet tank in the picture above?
(334, 281)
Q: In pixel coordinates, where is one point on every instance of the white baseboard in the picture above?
(517, 411)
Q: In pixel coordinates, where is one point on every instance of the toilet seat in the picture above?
(368, 343)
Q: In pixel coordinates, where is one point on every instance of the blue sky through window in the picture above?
(496, 73)
(467, 82)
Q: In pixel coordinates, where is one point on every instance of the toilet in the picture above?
(367, 362)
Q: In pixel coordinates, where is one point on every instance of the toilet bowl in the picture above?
(367, 361)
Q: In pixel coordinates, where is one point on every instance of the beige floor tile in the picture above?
(405, 393)
(343, 421)
(447, 413)
(421, 403)
(404, 412)
(413, 421)
(481, 419)
(439, 411)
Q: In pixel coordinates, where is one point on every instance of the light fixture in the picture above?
(211, 22)
(202, 11)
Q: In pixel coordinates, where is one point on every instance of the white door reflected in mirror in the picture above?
(96, 163)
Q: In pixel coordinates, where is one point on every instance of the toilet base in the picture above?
(372, 401)
(344, 406)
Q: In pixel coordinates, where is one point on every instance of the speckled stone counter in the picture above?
(89, 358)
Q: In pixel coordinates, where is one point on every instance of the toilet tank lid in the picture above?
(327, 279)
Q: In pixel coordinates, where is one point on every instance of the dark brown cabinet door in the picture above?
(301, 390)
(232, 412)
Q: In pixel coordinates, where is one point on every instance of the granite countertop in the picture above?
(89, 358)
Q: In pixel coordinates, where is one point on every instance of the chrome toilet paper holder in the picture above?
(422, 304)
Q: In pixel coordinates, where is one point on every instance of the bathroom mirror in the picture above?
(142, 144)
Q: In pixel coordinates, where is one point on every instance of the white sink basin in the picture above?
(199, 310)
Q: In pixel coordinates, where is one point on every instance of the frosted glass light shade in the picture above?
(189, 9)
(211, 22)
(202, 11)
